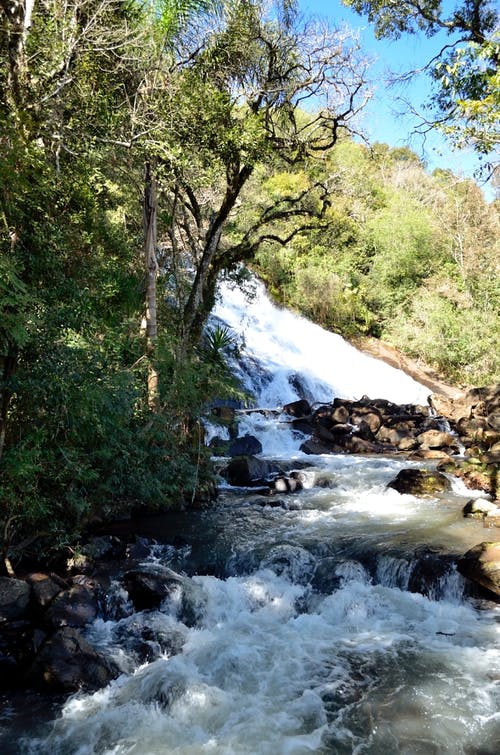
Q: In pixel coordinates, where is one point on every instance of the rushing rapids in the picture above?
(327, 621)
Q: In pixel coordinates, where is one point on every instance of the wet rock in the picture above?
(292, 561)
(73, 608)
(478, 508)
(475, 474)
(150, 585)
(300, 408)
(284, 484)
(316, 446)
(303, 425)
(429, 570)
(14, 598)
(481, 564)
(371, 417)
(243, 471)
(66, 662)
(246, 445)
(420, 482)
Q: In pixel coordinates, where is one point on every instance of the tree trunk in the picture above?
(151, 264)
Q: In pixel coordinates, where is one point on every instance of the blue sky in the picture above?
(381, 120)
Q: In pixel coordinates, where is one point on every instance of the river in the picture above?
(329, 621)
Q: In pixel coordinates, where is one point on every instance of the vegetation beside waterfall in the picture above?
(145, 148)
(404, 256)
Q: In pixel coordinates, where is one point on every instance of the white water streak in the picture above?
(290, 346)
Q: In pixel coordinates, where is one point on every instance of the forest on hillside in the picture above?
(148, 148)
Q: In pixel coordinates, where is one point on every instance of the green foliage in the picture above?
(465, 105)
(401, 255)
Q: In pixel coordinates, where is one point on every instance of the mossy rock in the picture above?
(420, 482)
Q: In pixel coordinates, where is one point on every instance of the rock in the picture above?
(481, 564)
(477, 476)
(420, 453)
(104, 548)
(478, 508)
(493, 420)
(300, 408)
(284, 484)
(420, 482)
(45, 588)
(407, 444)
(371, 418)
(364, 431)
(315, 446)
(66, 662)
(149, 586)
(246, 445)
(244, 471)
(391, 435)
(73, 608)
(340, 415)
(14, 598)
(16, 651)
(430, 439)
(303, 425)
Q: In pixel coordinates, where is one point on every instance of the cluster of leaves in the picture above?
(403, 255)
(466, 101)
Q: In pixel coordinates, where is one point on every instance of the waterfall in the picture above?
(286, 357)
(331, 620)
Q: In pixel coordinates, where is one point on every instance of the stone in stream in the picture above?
(66, 662)
(481, 564)
(246, 445)
(420, 482)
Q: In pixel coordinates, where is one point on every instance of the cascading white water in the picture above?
(292, 350)
(323, 623)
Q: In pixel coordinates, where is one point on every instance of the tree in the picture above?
(253, 87)
(466, 104)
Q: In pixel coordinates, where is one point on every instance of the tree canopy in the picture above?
(466, 103)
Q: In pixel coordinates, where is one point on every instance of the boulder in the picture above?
(481, 564)
(316, 446)
(66, 662)
(431, 439)
(15, 597)
(75, 607)
(478, 508)
(420, 482)
(148, 586)
(300, 408)
(246, 445)
(285, 484)
(493, 420)
(244, 471)
(45, 588)
(151, 584)
(340, 415)
(371, 418)
(104, 548)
